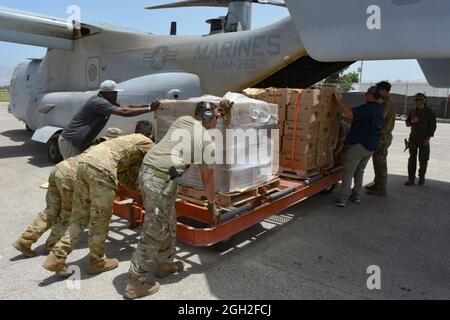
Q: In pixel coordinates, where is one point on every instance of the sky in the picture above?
(191, 21)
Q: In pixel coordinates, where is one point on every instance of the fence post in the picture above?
(446, 105)
(406, 98)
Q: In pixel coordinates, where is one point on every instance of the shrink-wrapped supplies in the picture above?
(246, 146)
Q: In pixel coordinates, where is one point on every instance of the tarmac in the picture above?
(310, 251)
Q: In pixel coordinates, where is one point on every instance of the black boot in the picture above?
(422, 181)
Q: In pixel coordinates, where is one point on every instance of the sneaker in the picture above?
(354, 199)
(107, 265)
(340, 204)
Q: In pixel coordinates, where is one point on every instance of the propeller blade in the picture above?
(210, 3)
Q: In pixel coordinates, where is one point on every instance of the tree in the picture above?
(346, 81)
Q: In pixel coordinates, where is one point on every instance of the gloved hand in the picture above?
(155, 105)
(212, 208)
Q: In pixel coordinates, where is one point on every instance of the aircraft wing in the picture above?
(436, 71)
(38, 30)
(351, 30)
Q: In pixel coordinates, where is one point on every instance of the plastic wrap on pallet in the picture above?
(247, 161)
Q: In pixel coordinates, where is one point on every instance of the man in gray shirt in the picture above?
(92, 118)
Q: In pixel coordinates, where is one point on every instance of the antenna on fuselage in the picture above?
(239, 17)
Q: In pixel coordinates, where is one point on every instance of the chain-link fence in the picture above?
(403, 93)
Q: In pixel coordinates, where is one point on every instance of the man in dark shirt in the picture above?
(422, 121)
(92, 118)
(362, 141)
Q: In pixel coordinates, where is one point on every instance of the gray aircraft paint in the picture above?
(410, 29)
(65, 78)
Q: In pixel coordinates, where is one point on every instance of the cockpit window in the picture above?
(14, 77)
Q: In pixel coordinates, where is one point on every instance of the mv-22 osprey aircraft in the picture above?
(319, 38)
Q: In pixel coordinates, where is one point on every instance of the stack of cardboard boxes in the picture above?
(309, 126)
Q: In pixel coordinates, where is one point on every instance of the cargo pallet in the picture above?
(196, 226)
(228, 200)
(304, 174)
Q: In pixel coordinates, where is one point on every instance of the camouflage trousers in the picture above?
(93, 200)
(56, 215)
(423, 153)
(158, 236)
(380, 165)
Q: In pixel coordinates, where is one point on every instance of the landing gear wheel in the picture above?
(54, 155)
(329, 190)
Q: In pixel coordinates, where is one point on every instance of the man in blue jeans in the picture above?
(362, 141)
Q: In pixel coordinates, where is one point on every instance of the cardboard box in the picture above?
(282, 113)
(323, 147)
(325, 160)
(301, 162)
(280, 128)
(302, 146)
(304, 130)
(279, 96)
(324, 130)
(307, 113)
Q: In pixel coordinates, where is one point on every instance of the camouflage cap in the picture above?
(420, 96)
(113, 133)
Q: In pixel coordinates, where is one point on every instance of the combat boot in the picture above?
(137, 287)
(165, 269)
(24, 247)
(371, 187)
(107, 265)
(376, 193)
(422, 181)
(59, 268)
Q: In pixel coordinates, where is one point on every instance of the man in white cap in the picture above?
(92, 118)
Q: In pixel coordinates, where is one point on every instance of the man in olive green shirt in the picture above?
(379, 186)
(422, 121)
(186, 143)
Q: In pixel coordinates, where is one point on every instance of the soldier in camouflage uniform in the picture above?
(159, 177)
(99, 172)
(57, 214)
(379, 186)
(422, 122)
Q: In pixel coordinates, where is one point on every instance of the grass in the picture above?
(4, 96)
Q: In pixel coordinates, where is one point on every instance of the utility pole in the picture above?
(361, 74)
